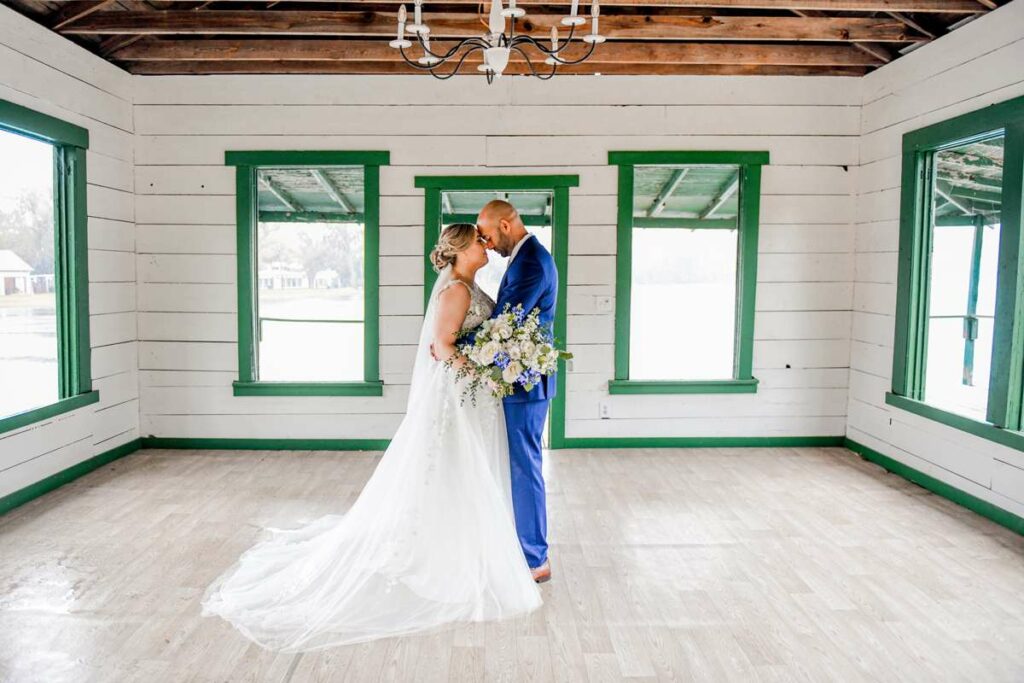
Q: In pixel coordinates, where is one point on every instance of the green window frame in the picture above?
(246, 164)
(71, 259)
(1006, 385)
(748, 217)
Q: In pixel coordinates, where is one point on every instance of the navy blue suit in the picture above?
(531, 280)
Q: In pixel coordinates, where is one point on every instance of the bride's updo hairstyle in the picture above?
(455, 238)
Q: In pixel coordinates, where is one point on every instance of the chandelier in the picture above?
(497, 45)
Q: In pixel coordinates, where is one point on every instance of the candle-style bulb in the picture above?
(418, 13)
(594, 36)
(400, 42)
(554, 38)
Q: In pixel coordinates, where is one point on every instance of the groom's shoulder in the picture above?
(538, 251)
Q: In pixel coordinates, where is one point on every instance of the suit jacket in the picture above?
(532, 280)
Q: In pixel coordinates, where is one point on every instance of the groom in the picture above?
(531, 280)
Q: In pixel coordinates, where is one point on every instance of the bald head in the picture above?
(500, 225)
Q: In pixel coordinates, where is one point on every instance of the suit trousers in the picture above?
(524, 422)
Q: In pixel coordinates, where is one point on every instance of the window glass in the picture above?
(28, 306)
(684, 261)
(310, 281)
(966, 203)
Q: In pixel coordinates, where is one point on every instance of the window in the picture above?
(686, 261)
(957, 356)
(308, 248)
(44, 315)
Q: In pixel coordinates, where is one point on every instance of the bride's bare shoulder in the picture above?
(454, 297)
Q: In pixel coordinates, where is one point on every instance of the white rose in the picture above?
(503, 330)
(514, 352)
(510, 373)
(487, 352)
(528, 347)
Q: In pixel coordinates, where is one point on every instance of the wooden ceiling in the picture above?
(768, 37)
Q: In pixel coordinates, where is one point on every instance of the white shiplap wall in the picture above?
(979, 64)
(42, 71)
(163, 294)
(185, 215)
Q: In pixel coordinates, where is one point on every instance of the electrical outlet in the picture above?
(603, 304)
(604, 410)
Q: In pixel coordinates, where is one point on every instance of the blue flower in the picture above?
(502, 359)
(528, 377)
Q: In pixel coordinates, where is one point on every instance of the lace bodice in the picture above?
(480, 305)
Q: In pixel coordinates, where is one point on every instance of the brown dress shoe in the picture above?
(542, 573)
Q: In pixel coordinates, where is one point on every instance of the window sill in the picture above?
(713, 386)
(34, 415)
(308, 388)
(985, 430)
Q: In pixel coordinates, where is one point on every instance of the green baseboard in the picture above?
(22, 496)
(267, 444)
(701, 441)
(982, 507)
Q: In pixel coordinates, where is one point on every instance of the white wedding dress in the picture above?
(430, 541)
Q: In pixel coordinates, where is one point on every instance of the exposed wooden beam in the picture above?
(633, 27)
(722, 197)
(331, 50)
(514, 68)
(875, 51)
(278, 194)
(332, 191)
(899, 16)
(116, 42)
(658, 205)
(988, 4)
(73, 11)
(947, 6)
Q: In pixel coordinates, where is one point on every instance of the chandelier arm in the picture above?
(554, 54)
(533, 69)
(448, 55)
(458, 65)
(413, 63)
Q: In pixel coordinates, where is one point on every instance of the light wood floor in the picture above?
(771, 564)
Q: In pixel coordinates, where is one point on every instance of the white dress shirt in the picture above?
(519, 244)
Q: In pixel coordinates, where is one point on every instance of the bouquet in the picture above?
(512, 349)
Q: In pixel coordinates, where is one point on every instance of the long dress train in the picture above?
(430, 541)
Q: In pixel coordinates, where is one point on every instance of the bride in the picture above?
(431, 539)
